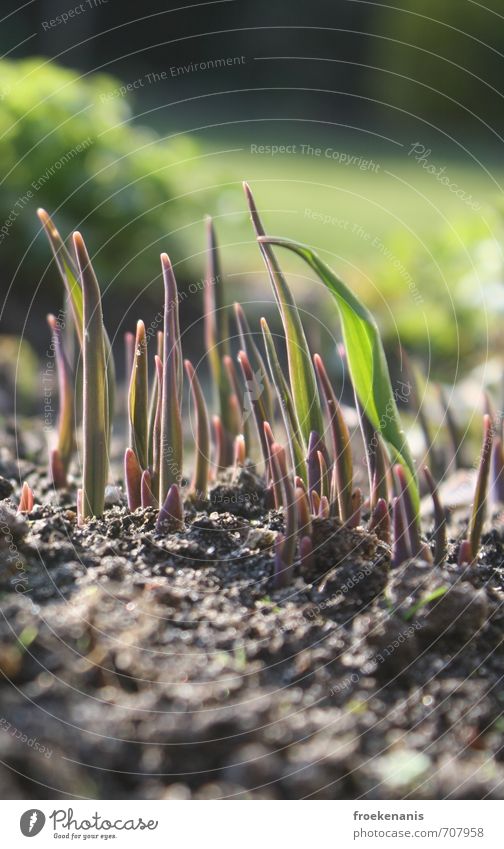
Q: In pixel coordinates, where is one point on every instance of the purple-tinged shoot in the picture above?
(72, 280)
(440, 541)
(273, 467)
(171, 515)
(480, 497)
(256, 361)
(343, 466)
(138, 398)
(255, 403)
(132, 479)
(306, 552)
(147, 496)
(315, 502)
(219, 449)
(240, 455)
(324, 510)
(284, 395)
(96, 424)
(155, 434)
(303, 512)
(355, 519)
(171, 419)
(454, 435)
(410, 516)
(155, 400)
(285, 547)
(303, 383)
(129, 356)
(379, 522)
(313, 464)
(61, 456)
(27, 499)
(217, 339)
(238, 393)
(401, 547)
(496, 484)
(202, 437)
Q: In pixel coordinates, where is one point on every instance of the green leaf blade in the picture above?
(303, 383)
(366, 361)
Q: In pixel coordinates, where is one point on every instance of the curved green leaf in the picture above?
(366, 360)
(303, 383)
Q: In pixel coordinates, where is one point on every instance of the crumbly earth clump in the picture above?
(140, 665)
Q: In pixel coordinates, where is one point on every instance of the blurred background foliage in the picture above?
(122, 188)
(367, 78)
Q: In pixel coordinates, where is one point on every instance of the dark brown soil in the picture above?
(136, 665)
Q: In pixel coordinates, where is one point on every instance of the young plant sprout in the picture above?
(255, 401)
(285, 544)
(138, 398)
(302, 376)
(342, 478)
(366, 360)
(171, 421)
(439, 520)
(256, 361)
(218, 446)
(27, 499)
(291, 424)
(308, 481)
(95, 424)
(70, 276)
(132, 479)
(217, 341)
(171, 515)
(469, 547)
(61, 456)
(202, 441)
(147, 496)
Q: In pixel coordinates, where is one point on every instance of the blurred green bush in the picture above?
(66, 143)
(448, 307)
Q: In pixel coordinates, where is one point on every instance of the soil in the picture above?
(140, 665)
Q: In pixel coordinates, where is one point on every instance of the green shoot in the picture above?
(469, 552)
(343, 466)
(62, 454)
(366, 362)
(132, 479)
(27, 499)
(256, 362)
(440, 547)
(202, 440)
(95, 424)
(302, 376)
(138, 398)
(69, 274)
(155, 395)
(296, 441)
(217, 339)
(254, 401)
(171, 421)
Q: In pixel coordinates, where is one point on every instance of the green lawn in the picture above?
(354, 214)
(423, 259)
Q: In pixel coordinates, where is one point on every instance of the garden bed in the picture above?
(145, 665)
